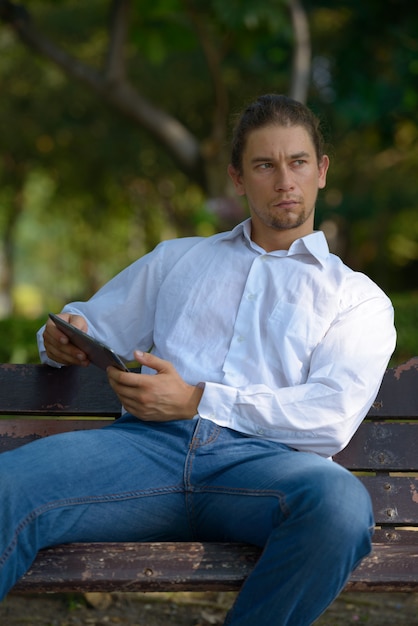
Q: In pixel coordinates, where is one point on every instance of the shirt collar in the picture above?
(314, 244)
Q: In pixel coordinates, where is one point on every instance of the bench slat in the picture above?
(390, 567)
(377, 446)
(398, 397)
(140, 567)
(17, 432)
(44, 390)
(191, 567)
(382, 446)
(395, 499)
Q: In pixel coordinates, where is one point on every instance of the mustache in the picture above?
(286, 198)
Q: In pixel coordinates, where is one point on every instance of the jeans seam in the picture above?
(236, 491)
(196, 442)
(242, 491)
(190, 489)
(67, 502)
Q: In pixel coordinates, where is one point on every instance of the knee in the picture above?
(340, 504)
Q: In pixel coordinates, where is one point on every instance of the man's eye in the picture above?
(265, 166)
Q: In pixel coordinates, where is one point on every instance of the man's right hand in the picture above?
(57, 345)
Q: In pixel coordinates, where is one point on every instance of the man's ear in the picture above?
(323, 169)
(236, 178)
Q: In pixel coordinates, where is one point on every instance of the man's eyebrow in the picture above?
(295, 156)
(300, 155)
(261, 159)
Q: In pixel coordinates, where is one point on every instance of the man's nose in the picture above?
(283, 180)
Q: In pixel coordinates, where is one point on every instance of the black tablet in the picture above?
(98, 353)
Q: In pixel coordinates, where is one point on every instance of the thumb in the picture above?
(78, 321)
(152, 361)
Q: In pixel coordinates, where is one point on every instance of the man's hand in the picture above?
(58, 346)
(160, 397)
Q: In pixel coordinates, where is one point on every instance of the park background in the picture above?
(115, 125)
(115, 118)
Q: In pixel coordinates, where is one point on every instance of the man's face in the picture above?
(280, 178)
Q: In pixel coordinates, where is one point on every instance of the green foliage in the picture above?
(406, 322)
(365, 78)
(18, 340)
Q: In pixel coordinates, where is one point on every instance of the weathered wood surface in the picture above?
(141, 567)
(17, 431)
(398, 394)
(192, 567)
(42, 390)
(383, 446)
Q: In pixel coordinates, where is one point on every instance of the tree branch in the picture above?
(213, 57)
(301, 65)
(19, 20)
(213, 147)
(120, 95)
(115, 69)
(10, 12)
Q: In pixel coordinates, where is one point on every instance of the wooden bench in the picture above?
(39, 401)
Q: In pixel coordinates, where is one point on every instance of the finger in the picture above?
(127, 387)
(120, 378)
(59, 347)
(52, 330)
(66, 354)
(53, 334)
(152, 361)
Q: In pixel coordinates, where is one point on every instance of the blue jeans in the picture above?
(185, 481)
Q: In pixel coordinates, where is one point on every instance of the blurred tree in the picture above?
(72, 172)
(172, 70)
(211, 30)
(365, 74)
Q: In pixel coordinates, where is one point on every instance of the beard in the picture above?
(282, 219)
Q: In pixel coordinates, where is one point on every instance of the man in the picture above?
(261, 354)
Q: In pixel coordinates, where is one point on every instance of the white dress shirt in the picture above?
(289, 345)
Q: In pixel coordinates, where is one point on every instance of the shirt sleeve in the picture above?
(322, 414)
(121, 314)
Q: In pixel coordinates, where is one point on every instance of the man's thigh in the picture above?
(241, 488)
(123, 482)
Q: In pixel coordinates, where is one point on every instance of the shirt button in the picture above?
(260, 431)
(251, 296)
(240, 339)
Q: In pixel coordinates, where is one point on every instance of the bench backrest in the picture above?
(39, 400)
